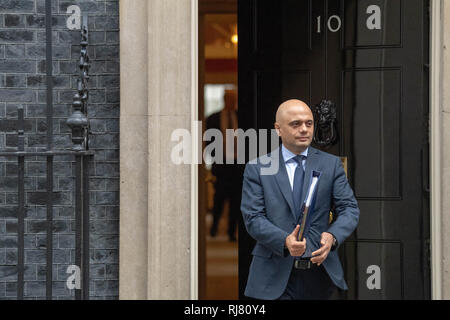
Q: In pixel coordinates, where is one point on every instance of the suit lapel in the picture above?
(312, 161)
(282, 180)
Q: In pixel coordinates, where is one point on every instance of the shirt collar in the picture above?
(288, 155)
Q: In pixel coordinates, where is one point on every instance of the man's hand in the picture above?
(320, 255)
(296, 248)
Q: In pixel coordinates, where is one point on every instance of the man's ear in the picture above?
(277, 128)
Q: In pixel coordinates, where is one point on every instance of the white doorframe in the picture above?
(435, 147)
(195, 148)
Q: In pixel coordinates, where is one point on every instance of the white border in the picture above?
(435, 147)
(195, 147)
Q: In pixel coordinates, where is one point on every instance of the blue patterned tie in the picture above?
(298, 184)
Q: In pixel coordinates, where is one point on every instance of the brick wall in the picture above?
(23, 83)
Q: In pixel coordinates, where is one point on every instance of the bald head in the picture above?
(295, 125)
(230, 98)
(288, 106)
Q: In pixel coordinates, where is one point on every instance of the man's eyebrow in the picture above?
(297, 121)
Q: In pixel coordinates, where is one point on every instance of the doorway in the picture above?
(218, 246)
(370, 60)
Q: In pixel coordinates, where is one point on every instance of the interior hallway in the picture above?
(221, 262)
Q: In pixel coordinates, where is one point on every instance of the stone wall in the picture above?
(23, 83)
(158, 92)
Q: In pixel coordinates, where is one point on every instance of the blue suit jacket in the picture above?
(268, 210)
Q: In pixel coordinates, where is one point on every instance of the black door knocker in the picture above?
(325, 124)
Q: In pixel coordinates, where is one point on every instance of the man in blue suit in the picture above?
(272, 210)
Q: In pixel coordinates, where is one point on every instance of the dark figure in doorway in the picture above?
(228, 184)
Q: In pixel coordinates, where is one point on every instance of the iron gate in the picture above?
(79, 124)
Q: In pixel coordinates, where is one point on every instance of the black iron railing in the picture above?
(79, 124)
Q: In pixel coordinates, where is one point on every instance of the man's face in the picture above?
(295, 126)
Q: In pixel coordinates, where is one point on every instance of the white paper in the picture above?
(311, 191)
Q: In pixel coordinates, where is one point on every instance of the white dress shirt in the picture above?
(291, 164)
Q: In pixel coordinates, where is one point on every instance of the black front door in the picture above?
(369, 58)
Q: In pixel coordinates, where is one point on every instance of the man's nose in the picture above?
(303, 128)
